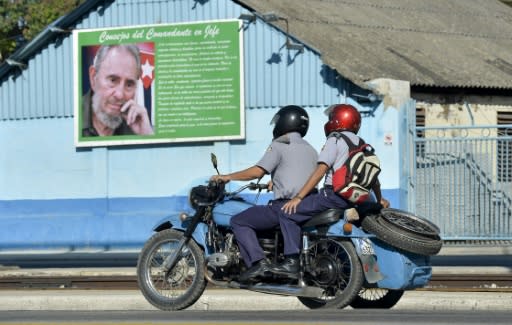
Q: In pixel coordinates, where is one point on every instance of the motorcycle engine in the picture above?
(227, 257)
(219, 260)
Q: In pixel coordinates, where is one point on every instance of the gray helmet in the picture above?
(290, 118)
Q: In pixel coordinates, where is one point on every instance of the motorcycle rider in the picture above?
(342, 118)
(289, 160)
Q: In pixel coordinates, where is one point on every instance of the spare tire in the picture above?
(405, 231)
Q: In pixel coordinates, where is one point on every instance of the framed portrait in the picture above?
(159, 83)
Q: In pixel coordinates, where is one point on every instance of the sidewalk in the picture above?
(231, 299)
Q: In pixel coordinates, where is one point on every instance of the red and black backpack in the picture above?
(355, 178)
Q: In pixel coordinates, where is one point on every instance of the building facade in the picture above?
(54, 195)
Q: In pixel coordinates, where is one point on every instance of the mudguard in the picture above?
(366, 253)
(173, 221)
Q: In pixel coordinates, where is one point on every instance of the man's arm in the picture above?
(378, 194)
(243, 175)
(314, 179)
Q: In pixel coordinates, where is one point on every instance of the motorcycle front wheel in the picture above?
(376, 298)
(335, 268)
(183, 284)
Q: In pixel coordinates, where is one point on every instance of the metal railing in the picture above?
(462, 180)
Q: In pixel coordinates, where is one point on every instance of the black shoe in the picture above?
(256, 271)
(289, 267)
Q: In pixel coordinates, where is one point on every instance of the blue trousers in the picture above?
(309, 206)
(245, 225)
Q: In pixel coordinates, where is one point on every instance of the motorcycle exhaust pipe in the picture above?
(287, 290)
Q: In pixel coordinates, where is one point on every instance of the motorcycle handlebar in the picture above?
(254, 186)
(250, 186)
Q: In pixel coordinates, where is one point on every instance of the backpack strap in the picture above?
(351, 146)
(362, 145)
(349, 143)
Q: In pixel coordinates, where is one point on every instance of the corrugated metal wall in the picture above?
(92, 197)
(45, 88)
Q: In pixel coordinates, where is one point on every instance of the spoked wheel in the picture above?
(183, 284)
(335, 268)
(410, 222)
(376, 298)
(405, 231)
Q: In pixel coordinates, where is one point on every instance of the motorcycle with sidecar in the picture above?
(367, 263)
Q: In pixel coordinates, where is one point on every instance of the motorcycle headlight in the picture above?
(192, 198)
(205, 194)
(183, 216)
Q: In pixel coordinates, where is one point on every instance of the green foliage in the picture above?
(10, 12)
(37, 14)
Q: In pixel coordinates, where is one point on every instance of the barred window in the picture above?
(504, 148)
(420, 122)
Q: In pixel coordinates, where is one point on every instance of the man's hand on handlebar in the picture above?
(220, 178)
(270, 186)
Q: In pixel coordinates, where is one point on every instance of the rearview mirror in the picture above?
(214, 162)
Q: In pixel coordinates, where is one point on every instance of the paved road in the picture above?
(282, 317)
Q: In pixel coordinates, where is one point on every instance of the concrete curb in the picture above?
(131, 271)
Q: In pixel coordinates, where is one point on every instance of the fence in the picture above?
(462, 180)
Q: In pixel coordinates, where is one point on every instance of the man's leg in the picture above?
(245, 225)
(291, 229)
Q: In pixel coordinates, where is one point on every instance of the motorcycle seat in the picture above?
(367, 208)
(329, 216)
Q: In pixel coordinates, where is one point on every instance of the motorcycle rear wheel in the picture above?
(336, 269)
(405, 231)
(185, 282)
(376, 298)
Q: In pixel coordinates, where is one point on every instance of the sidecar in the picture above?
(388, 270)
(388, 274)
(384, 266)
(400, 270)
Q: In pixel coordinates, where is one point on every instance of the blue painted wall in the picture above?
(55, 195)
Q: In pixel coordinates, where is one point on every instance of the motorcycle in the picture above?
(341, 263)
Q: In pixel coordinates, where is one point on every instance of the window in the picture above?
(420, 122)
(504, 148)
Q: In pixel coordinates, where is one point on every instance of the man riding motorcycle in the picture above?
(289, 160)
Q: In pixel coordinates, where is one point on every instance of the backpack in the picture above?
(354, 180)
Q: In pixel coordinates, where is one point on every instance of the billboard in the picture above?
(159, 83)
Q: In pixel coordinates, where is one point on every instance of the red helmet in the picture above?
(342, 117)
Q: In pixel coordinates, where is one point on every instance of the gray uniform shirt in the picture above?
(290, 160)
(335, 153)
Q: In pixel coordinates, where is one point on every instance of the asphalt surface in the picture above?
(451, 260)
